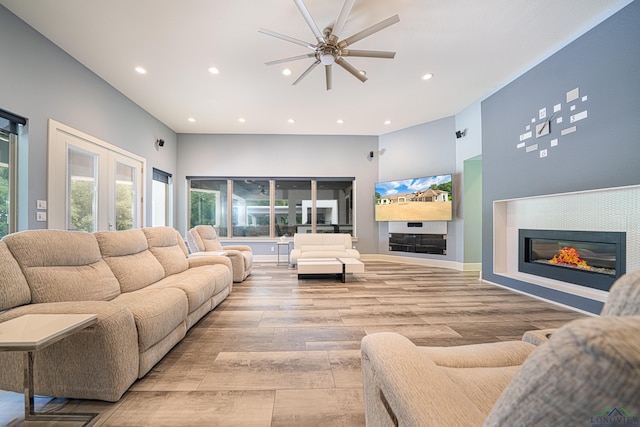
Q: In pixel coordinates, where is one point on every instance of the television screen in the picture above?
(416, 199)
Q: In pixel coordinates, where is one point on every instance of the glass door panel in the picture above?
(82, 182)
(125, 196)
(5, 187)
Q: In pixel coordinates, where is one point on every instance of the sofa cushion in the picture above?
(482, 386)
(587, 366)
(79, 274)
(14, 289)
(163, 244)
(126, 252)
(157, 312)
(197, 283)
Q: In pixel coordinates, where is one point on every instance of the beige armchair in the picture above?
(583, 371)
(203, 238)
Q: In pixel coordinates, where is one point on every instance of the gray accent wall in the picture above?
(40, 81)
(604, 151)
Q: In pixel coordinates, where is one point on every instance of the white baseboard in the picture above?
(453, 265)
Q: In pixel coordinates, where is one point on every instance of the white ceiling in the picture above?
(472, 46)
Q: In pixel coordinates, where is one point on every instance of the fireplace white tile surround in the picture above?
(611, 209)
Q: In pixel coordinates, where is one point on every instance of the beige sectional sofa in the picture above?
(140, 283)
(322, 245)
(586, 367)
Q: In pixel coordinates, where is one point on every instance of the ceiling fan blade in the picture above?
(328, 76)
(341, 20)
(287, 38)
(350, 68)
(310, 22)
(369, 31)
(368, 53)
(307, 71)
(293, 58)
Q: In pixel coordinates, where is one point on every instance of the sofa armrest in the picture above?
(200, 260)
(241, 248)
(403, 386)
(538, 336)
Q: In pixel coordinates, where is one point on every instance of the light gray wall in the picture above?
(40, 81)
(423, 150)
(273, 156)
(469, 242)
(603, 152)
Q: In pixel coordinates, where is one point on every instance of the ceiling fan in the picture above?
(329, 49)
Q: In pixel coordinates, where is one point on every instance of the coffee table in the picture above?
(320, 266)
(33, 332)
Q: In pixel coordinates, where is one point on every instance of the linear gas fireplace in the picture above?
(587, 258)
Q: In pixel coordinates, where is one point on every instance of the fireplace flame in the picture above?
(571, 257)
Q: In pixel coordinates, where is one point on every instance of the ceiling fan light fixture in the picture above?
(327, 59)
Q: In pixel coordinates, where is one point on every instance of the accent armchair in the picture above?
(203, 238)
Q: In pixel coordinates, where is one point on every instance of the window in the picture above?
(251, 207)
(161, 199)
(334, 210)
(290, 196)
(208, 204)
(262, 207)
(9, 129)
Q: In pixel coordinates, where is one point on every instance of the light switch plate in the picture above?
(41, 204)
(41, 216)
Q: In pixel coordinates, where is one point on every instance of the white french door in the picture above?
(93, 185)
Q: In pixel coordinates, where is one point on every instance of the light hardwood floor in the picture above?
(281, 352)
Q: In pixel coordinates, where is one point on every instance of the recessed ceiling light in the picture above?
(286, 72)
(191, 119)
(241, 120)
(340, 121)
(214, 70)
(428, 76)
(291, 121)
(140, 70)
(387, 122)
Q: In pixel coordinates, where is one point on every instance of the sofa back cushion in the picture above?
(62, 266)
(163, 244)
(587, 366)
(203, 238)
(624, 296)
(322, 239)
(14, 290)
(127, 254)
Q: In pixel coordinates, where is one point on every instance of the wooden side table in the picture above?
(33, 332)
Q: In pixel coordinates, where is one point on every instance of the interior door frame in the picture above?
(57, 175)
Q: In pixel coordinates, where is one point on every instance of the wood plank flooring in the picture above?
(281, 352)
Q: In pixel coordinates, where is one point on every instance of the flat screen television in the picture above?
(416, 199)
